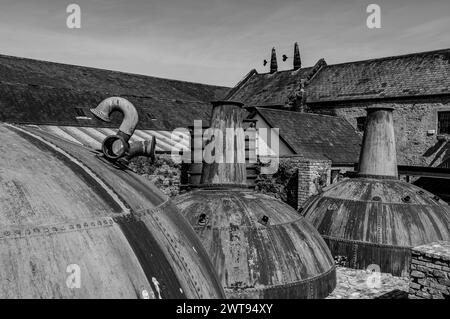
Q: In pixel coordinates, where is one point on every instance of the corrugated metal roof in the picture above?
(166, 141)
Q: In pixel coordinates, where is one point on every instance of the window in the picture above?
(444, 122)
(360, 123)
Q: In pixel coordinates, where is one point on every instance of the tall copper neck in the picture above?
(378, 158)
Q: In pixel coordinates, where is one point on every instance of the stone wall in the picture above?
(296, 180)
(413, 119)
(430, 271)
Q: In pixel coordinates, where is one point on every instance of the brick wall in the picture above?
(296, 180)
(315, 176)
(312, 176)
(412, 121)
(430, 271)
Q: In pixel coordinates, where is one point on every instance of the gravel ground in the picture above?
(362, 284)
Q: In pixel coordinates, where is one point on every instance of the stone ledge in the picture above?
(430, 271)
(437, 250)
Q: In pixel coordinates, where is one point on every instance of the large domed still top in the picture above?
(376, 218)
(260, 246)
(74, 226)
(372, 221)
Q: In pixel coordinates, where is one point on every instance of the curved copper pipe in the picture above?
(130, 115)
(142, 148)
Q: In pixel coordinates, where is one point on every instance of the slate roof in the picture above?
(269, 89)
(316, 136)
(40, 92)
(418, 74)
(412, 75)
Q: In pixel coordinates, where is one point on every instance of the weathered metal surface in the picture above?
(193, 170)
(226, 119)
(259, 246)
(62, 205)
(376, 218)
(377, 221)
(378, 157)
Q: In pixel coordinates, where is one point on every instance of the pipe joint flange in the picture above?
(115, 147)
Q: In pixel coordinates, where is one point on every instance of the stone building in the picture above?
(416, 85)
(319, 154)
(57, 97)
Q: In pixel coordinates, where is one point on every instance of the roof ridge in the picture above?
(290, 70)
(96, 91)
(308, 113)
(109, 70)
(392, 57)
(240, 84)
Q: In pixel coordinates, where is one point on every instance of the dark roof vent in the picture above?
(273, 62)
(202, 220)
(80, 114)
(297, 60)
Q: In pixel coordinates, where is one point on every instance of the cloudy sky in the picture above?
(217, 41)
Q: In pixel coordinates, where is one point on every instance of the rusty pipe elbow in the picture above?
(130, 115)
(142, 148)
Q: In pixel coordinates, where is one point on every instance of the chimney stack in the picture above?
(273, 62)
(378, 157)
(227, 115)
(297, 60)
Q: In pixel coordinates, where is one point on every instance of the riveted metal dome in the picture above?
(376, 218)
(74, 226)
(260, 246)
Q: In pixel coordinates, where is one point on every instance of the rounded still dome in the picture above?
(74, 225)
(376, 218)
(260, 246)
